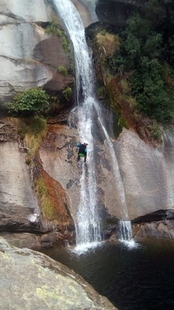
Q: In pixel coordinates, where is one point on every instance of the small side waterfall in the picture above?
(125, 230)
(88, 222)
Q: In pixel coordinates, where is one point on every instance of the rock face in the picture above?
(38, 282)
(116, 12)
(144, 174)
(138, 182)
(29, 57)
(158, 224)
(160, 229)
(90, 7)
(32, 11)
(18, 204)
(147, 173)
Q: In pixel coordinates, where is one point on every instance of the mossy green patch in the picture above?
(47, 207)
(44, 293)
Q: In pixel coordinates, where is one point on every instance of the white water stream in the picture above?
(88, 222)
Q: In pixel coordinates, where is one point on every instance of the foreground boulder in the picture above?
(31, 280)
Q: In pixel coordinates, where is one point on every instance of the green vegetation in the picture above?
(55, 105)
(67, 92)
(146, 59)
(108, 42)
(29, 102)
(65, 43)
(31, 131)
(101, 92)
(62, 70)
(47, 207)
(54, 29)
(36, 131)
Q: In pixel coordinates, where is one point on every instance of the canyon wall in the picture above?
(30, 57)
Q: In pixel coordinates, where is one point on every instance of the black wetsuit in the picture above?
(82, 150)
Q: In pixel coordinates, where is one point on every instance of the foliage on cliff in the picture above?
(147, 57)
(138, 77)
(53, 201)
(115, 91)
(29, 102)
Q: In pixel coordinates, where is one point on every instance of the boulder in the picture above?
(31, 280)
(160, 229)
(37, 241)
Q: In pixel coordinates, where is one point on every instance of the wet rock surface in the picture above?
(146, 175)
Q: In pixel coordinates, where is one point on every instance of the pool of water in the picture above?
(132, 278)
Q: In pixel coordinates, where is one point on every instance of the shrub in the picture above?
(53, 29)
(108, 42)
(31, 131)
(67, 92)
(62, 70)
(55, 105)
(152, 93)
(29, 102)
(144, 53)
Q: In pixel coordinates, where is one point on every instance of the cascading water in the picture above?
(88, 222)
(125, 228)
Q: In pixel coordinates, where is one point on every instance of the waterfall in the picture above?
(125, 230)
(88, 222)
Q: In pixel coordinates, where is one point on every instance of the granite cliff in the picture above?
(30, 57)
(38, 282)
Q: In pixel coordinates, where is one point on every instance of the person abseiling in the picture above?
(82, 151)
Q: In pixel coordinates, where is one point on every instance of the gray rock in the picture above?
(147, 173)
(31, 280)
(22, 240)
(15, 183)
(144, 175)
(29, 57)
(30, 11)
(90, 6)
(160, 229)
